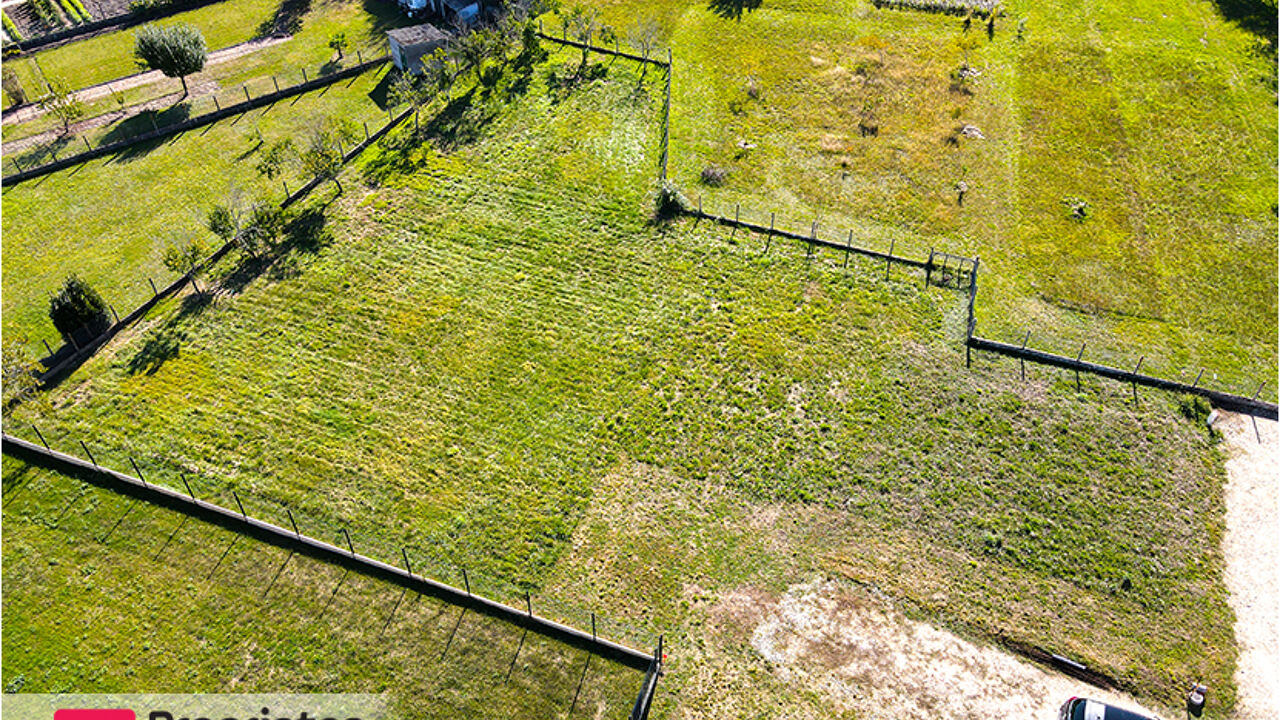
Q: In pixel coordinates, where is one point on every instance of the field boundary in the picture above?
(81, 354)
(192, 123)
(242, 523)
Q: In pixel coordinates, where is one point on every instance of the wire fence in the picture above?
(432, 567)
(149, 125)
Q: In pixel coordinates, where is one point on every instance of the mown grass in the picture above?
(364, 23)
(1159, 115)
(111, 219)
(107, 594)
(474, 347)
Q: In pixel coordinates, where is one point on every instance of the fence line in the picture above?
(640, 711)
(666, 121)
(291, 539)
(602, 50)
(192, 123)
(86, 351)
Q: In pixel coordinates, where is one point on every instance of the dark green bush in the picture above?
(78, 305)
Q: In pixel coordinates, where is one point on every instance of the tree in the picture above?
(274, 157)
(266, 220)
(177, 51)
(224, 221)
(582, 25)
(182, 255)
(77, 305)
(12, 85)
(437, 73)
(644, 37)
(338, 41)
(61, 103)
(322, 158)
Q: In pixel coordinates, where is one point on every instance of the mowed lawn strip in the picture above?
(468, 347)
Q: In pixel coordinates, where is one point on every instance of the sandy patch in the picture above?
(870, 660)
(1252, 549)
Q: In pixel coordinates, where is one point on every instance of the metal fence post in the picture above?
(275, 82)
(294, 523)
(154, 291)
(39, 435)
(847, 246)
(135, 469)
(405, 555)
(350, 547)
(1135, 379)
(240, 505)
(1021, 360)
(466, 582)
(1078, 356)
(216, 106)
(304, 75)
(1197, 382)
(114, 313)
(46, 345)
(245, 87)
(928, 268)
(188, 486)
(889, 261)
(86, 452)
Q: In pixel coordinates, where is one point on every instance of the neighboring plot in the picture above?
(111, 219)
(1160, 120)
(108, 594)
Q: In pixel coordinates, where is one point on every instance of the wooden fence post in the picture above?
(86, 142)
(216, 106)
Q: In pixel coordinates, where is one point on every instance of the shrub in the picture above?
(10, 29)
(18, 370)
(669, 202)
(222, 222)
(714, 175)
(12, 85)
(46, 13)
(77, 305)
(74, 10)
(182, 256)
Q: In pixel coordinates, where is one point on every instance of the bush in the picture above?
(266, 220)
(10, 29)
(77, 305)
(669, 202)
(12, 85)
(714, 175)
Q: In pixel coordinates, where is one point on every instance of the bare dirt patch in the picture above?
(1251, 546)
(871, 661)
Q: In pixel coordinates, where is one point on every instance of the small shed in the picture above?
(409, 44)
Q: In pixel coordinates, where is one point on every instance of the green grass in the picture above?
(1160, 115)
(107, 594)
(485, 344)
(111, 219)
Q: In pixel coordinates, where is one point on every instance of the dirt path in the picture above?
(869, 659)
(1252, 549)
(97, 92)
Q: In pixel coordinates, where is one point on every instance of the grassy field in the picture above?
(365, 25)
(111, 219)
(489, 351)
(110, 56)
(1158, 114)
(106, 594)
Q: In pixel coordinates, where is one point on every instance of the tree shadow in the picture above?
(330, 67)
(1256, 16)
(286, 21)
(306, 232)
(733, 9)
(142, 123)
(47, 152)
(165, 342)
(385, 16)
(15, 479)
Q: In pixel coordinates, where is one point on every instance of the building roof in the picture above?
(419, 34)
(459, 5)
